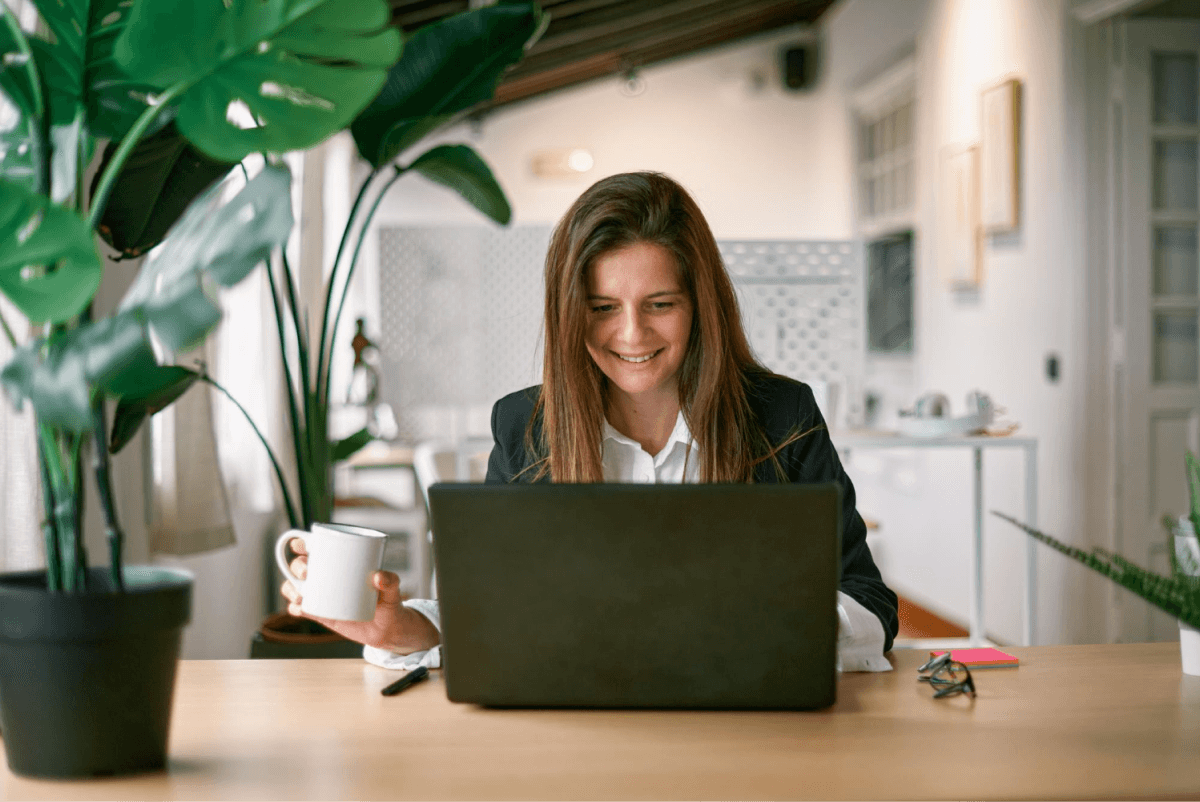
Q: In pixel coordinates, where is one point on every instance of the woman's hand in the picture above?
(395, 627)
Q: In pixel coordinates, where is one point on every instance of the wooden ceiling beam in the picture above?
(630, 18)
(565, 9)
(576, 72)
(590, 39)
(409, 16)
(760, 17)
(520, 86)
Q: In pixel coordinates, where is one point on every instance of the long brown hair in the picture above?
(614, 213)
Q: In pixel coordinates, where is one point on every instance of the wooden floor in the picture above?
(917, 622)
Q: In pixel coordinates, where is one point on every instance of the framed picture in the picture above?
(998, 155)
(959, 232)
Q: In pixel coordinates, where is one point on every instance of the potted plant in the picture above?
(1177, 594)
(87, 655)
(447, 68)
(183, 92)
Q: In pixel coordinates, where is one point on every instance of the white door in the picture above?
(1161, 269)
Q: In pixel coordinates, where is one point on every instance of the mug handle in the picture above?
(281, 556)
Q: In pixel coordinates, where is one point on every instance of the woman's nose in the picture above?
(632, 325)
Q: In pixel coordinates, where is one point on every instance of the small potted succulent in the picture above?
(1177, 594)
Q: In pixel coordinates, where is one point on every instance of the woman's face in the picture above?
(639, 319)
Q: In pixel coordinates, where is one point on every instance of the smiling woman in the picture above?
(648, 377)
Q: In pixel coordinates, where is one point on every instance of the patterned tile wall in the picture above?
(462, 318)
(802, 305)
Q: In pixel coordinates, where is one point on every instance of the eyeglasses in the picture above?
(948, 677)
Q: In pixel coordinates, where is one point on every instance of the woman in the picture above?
(648, 377)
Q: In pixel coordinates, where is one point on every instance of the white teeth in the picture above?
(640, 359)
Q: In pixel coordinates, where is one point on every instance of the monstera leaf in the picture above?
(460, 168)
(113, 100)
(21, 106)
(164, 384)
(215, 243)
(260, 75)
(49, 267)
(446, 67)
(173, 300)
(87, 92)
(163, 174)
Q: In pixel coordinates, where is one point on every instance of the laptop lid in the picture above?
(628, 595)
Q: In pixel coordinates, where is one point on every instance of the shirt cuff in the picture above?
(430, 658)
(860, 638)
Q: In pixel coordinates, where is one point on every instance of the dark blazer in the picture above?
(780, 404)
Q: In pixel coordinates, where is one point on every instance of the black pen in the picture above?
(416, 675)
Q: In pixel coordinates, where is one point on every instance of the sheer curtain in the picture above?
(187, 506)
(20, 502)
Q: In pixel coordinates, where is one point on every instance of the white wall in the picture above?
(744, 150)
(767, 163)
(1034, 301)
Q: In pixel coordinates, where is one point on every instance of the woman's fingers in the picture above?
(293, 596)
(299, 567)
(388, 585)
(297, 546)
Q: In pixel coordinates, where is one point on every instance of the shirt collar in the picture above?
(681, 434)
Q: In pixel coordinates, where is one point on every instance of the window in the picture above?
(889, 295)
(884, 114)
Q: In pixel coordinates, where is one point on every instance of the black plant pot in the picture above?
(86, 679)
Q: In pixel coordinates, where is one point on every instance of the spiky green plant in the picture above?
(1177, 594)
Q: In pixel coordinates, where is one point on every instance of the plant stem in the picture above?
(18, 36)
(293, 409)
(64, 508)
(54, 580)
(305, 456)
(8, 332)
(100, 465)
(109, 177)
(79, 498)
(40, 127)
(325, 330)
(287, 497)
(362, 235)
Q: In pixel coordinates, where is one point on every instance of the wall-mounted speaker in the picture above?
(800, 66)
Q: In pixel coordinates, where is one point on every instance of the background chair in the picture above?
(446, 461)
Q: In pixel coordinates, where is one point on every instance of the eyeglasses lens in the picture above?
(948, 677)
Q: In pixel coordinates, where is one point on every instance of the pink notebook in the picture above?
(980, 658)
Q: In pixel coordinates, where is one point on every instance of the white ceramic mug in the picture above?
(341, 561)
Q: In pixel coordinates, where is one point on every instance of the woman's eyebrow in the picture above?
(658, 294)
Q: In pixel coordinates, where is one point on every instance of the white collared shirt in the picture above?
(860, 633)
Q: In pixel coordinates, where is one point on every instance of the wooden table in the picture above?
(1072, 721)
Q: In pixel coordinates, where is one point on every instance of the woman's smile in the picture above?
(640, 359)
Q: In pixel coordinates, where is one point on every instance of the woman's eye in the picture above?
(602, 308)
(660, 305)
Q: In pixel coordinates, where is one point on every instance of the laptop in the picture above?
(638, 596)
